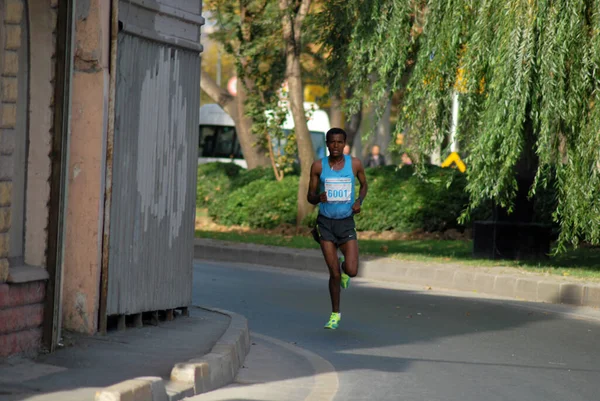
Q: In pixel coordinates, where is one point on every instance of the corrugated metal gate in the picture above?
(154, 156)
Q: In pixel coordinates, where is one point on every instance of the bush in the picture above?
(400, 201)
(262, 203)
(276, 204)
(397, 200)
(214, 179)
(248, 176)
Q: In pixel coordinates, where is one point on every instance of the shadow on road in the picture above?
(389, 329)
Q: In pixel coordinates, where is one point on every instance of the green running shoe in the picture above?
(334, 321)
(345, 278)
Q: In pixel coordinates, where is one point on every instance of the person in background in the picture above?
(406, 159)
(375, 159)
(347, 149)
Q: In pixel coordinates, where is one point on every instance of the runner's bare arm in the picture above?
(357, 166)
(313, 195)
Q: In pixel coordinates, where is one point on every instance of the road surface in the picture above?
(411, 343)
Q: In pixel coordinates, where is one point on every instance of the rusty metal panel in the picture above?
(154, 176)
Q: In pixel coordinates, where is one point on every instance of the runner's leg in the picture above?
(350, 251)
(330, 253)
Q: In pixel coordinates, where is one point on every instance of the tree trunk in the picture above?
(337, 119)
(255, 156)
(234, 106)
(352, 124)
(292, 28)
(305, 148)
(383, 131)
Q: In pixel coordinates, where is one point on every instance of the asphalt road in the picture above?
(407, 343)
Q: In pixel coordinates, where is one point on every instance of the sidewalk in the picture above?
(88, 365)
(275, 370)
(498, 281)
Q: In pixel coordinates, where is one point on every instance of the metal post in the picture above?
(454, 125)
(59, 172)
(114, 34)
(219, 67)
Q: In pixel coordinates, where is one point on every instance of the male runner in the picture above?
(332, 186)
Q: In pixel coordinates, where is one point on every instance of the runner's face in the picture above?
(336, 144)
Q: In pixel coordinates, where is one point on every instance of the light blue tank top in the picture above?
(339, 186)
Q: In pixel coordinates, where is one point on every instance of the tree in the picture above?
(248, 31)
(215, 60)
(530, 75)
(294, 13)
(254, 155)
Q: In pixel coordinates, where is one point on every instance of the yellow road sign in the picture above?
(455, 158)
(317, 94)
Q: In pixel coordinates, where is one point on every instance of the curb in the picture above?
(196, 376)
(526, 287)
(224, 251)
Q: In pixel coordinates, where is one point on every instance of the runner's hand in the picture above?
(356, 207)
(323, 197)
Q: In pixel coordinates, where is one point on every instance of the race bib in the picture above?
(338, 189)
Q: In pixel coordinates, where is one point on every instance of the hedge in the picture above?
(398, 200)
(217, 179)
(214, 179)
(262, 203)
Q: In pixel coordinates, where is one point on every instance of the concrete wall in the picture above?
(26, 114)
(86, 167)
(42, 34)
(12, 12)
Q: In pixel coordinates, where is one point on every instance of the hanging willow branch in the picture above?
(528, 74)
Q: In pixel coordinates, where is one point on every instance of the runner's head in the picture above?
(335, 131)
(336, 140)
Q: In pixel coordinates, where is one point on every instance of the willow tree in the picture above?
(530, 76)
(331, 28)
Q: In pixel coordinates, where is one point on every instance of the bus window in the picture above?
(206, 141)
(237, 149)
(225, 142)
(318, 141)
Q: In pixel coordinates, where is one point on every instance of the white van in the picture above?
(218, 139)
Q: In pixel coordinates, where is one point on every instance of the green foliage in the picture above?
(275, 204)
(250, 32)
(528, 77)
(214, 179)
(398, 199)
(232, 208)
(402, 201)
(247, 176)
(262, 203)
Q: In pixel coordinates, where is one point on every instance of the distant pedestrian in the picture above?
(375, 159)
(347, 150)
(406, 159)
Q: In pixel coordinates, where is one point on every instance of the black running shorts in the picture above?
(338, 231)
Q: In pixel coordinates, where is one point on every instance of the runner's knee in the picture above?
(334, 273)
(351, 267)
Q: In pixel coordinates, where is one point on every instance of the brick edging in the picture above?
(196, 376)
(525, 287)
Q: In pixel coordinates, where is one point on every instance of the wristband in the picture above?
(360, 200)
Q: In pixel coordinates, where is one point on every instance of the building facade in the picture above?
(64, 133)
